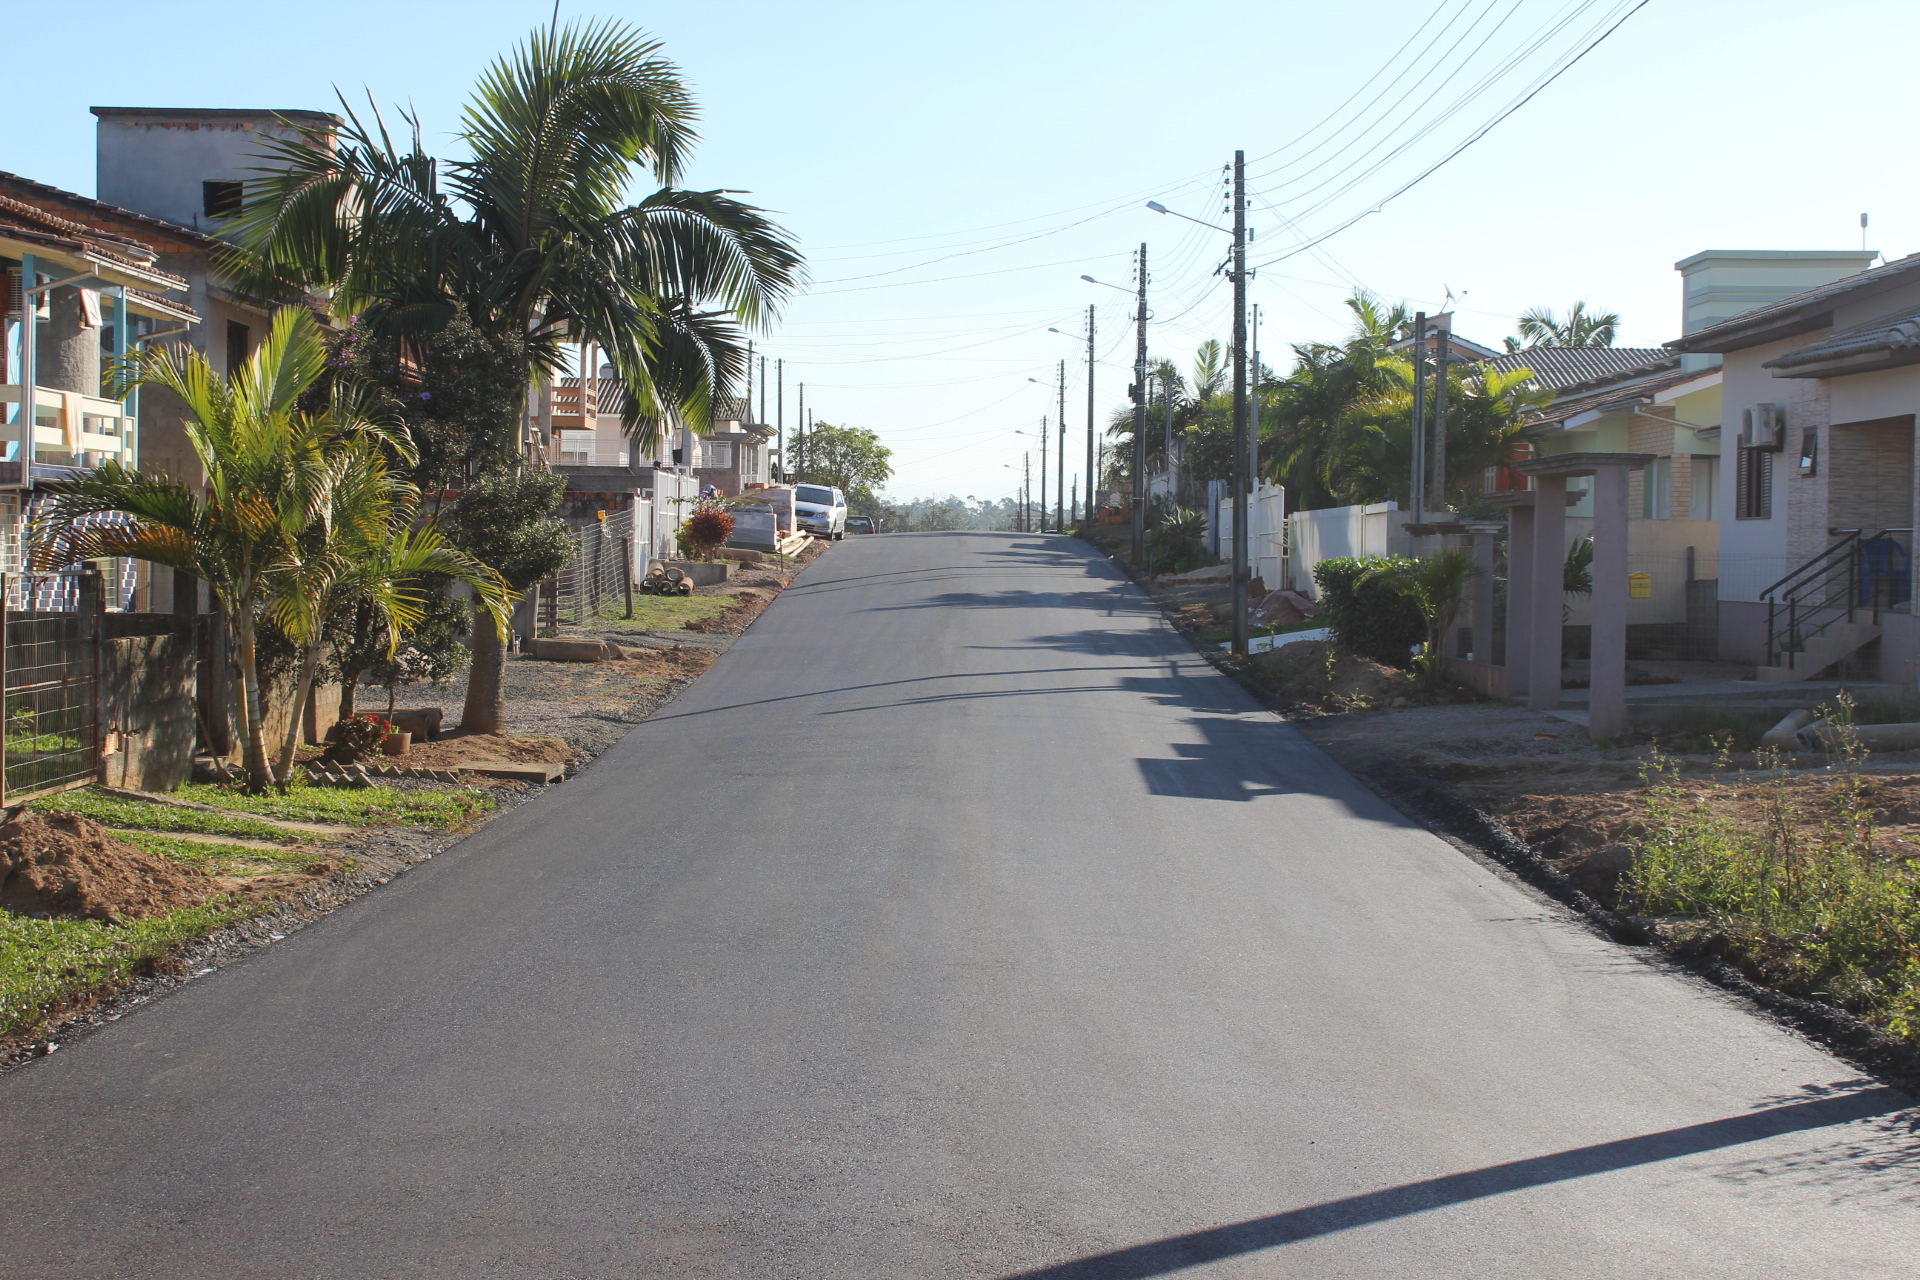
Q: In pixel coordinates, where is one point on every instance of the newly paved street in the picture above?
(962, 922)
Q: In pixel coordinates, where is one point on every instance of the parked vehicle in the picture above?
(861, 524)
(820, 511)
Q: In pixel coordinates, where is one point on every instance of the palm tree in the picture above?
(364, 550)
(267, 473)
(531, 236)
(1541, 328)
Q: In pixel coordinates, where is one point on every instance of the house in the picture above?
(79, 295)
(1818, 497)
(734, 454)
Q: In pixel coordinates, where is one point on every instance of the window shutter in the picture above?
(1743, 482)
(1763, 485)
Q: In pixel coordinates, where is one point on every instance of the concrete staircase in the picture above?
(1819, 652)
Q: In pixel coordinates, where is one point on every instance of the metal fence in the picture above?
(598, 580)
(50, 670)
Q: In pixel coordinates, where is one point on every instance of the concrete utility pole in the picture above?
(800, 434)
(1443, 343)
(780, 417)
(1253, 405)
(1093, 476)
(1139, 393)
(1416, 495)
(1240, 577)
(1060, 512)
(1044, 425)
(1026, 491)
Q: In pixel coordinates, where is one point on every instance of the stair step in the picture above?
(1819, 653)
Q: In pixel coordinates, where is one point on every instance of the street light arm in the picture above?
(1157, 207)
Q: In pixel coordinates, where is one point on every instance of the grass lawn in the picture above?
(368, 806)
(111, 811)
(225, 859)
(43, 962)
(660, 613)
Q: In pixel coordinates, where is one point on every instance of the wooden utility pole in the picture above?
(1240, 575)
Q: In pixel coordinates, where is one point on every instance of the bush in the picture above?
(708, 528)
(1369, 619)
(357, 736)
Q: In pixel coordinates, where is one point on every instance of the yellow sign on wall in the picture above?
(1639, 586)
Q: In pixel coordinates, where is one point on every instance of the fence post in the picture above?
(3, 686)
(93, 608)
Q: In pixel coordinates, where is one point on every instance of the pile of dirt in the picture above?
(61, 864)
(459, 748)
(1302, 672)
(747, 605)
(679, 661)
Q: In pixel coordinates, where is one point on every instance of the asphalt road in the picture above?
(960, 923)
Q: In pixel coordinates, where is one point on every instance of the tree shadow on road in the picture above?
(1197, 1248)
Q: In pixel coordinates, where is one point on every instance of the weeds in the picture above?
(138, 815)
(1806, 902)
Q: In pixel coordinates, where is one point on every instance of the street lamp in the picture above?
(1241, 576)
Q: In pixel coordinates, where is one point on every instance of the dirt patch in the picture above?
(748, 605)
(459, 748)
(61, 864)
(1317, 674)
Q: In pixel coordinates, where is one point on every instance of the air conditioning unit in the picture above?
(1764, 427)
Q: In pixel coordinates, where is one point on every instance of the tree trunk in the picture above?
(349, 682)
(255, 752)
(309, 664)
(485, 710)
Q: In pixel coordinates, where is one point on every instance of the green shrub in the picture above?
(1369, 619)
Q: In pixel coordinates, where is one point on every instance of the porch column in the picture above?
(1607, 685)
(1483, 599)
(1519, 598)
(1549, 559)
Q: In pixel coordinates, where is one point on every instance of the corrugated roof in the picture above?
(1614, 397)
(1895, 333)
(1556, 368)
(1733, 334)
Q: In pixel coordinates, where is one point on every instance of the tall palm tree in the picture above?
(1539, 327)
(532, 236)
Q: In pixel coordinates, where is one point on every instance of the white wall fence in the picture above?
(1266, 530)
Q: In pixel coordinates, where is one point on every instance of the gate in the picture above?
(50, 670)
(599, 576)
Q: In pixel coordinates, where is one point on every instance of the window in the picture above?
(1753, 485)
(237, 335)
(222, 199)
(1703, 496)
(716, 453)
(1656, 490)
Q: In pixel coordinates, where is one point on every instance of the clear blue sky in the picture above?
(888, 136)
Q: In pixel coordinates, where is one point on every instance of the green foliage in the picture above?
(1576, 574)
(1368, 616)
(1177, 540)
(708, 528)
(507, 522)
(1437, 586)
(1539, 327)
(229, 859)
(352, 806)
(663, 613)
(850, 459)
(929, 515)
(1814, 910)
(44, 963)
(358, 736)
(430, 650)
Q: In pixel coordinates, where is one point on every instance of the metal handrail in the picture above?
(1845, 544)
(1819, 576)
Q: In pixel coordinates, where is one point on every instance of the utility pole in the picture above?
(1026, 491)
(780, 418)
(800, 434)
(1060, 513)
(746, 405)
(1416, 495)
(1044, 426)
(1240, 584)
(1139, 393)
(1253, 407)
(1443, 342)
(763, 391)
(1093, 477)
(1173, 487)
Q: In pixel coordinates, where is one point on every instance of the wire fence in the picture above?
(598, 580)
(51, 681)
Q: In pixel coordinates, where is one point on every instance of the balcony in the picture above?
(70, 429)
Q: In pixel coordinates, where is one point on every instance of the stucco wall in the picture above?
(155, 164)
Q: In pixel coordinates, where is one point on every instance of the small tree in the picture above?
(850, 459)
(507, 522)
(1437, 587)
(709, 527)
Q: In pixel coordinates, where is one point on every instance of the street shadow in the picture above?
(1197, 1248)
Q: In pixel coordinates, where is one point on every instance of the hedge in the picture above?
(1372, 620)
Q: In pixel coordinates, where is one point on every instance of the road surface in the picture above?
(961, 922)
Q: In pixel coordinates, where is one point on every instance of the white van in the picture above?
(820, 510)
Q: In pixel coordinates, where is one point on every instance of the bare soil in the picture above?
(61, 864)
(461, 747)
(1301, 673)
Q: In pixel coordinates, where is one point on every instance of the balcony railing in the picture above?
(77, 426)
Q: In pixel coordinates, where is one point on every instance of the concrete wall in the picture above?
(1327, 534)
(153, 162)
(147, 695)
